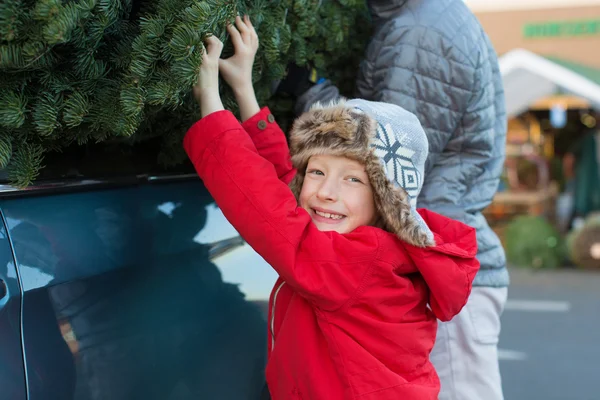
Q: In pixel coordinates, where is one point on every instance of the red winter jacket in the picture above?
(352, 316)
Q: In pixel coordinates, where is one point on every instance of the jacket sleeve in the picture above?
(475, 152)
(449, 267)
(324, 267)
(271, 143)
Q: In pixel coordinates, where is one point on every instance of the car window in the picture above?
(138, 292)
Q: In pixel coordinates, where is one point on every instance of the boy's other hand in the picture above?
(206, 90)
(237, 69)
(208, 79)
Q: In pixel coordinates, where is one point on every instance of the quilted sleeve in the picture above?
(471, 164)
(421, 70)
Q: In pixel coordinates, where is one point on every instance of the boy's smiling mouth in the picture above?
(327, 216)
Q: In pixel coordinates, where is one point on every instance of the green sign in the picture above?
(590, 27)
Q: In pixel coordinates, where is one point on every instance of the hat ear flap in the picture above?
(296, 185)
(398, 214)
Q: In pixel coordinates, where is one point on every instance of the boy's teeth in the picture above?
(328, 215)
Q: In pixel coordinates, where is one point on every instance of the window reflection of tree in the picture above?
(165, 327)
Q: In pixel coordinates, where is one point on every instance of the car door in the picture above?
(12, 370)
(123, 299)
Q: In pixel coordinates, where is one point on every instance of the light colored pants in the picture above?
(465, 354)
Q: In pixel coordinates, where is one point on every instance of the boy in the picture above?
(363, 275)
(433, 58)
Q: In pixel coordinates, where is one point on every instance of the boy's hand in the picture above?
(237, 69)
(206, 90)
(208, 79)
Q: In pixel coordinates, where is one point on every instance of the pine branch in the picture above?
(75, 110)
(186, 70)
(45, 114)
(6, 149)
(13, 109)
(11, 13)
(132, 100)
(11, 56)
(25, 164)
(184, 42)
(87, 71)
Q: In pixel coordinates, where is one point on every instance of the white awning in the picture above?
(512, 5)
(528, 77)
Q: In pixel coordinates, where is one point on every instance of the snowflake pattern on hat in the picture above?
(397, 161)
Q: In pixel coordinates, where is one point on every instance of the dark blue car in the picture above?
(127, 288)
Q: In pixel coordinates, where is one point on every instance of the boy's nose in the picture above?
(328, 191)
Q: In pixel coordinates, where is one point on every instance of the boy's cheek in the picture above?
(302, 199)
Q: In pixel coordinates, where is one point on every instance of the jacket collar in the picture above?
(385, 9)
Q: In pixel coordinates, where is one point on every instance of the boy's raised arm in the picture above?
(324, 267)
(206, 91)
(260, 124)
(237, 69)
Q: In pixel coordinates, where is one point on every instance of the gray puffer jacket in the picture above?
(433, 58)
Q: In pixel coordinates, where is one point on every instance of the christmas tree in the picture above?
(121, 71)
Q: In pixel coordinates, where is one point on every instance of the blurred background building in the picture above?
(549, 54)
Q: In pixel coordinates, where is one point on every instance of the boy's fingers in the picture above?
(249, 23)
(241, 25)
(213, 45)
(236, 38)
(252, 31)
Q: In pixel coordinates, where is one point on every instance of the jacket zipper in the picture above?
(273, 314)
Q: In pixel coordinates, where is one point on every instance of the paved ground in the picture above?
(550, 341)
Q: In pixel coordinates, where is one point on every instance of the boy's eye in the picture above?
(315, 172)
(353, 179)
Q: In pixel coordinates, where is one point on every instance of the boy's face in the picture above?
(337, 194)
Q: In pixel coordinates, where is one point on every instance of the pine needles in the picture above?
(88, 70)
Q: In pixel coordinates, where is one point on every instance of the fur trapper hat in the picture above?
(388, 140)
